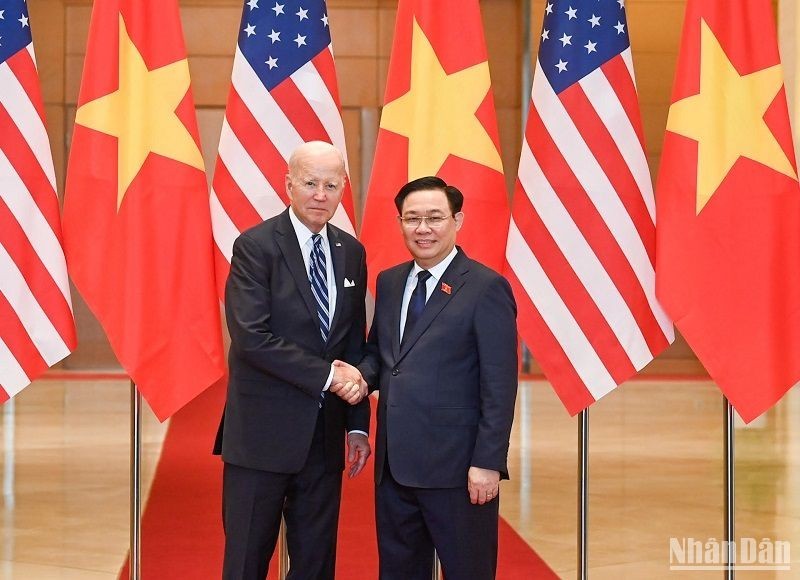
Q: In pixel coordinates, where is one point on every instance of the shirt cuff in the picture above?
(329, 381)
(359, 431)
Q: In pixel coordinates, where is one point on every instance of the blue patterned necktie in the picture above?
(417, 303)
(318, 274)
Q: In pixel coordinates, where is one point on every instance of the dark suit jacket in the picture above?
(278, 361)
(447, 394)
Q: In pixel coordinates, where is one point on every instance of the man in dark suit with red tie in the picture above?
(294, 303)
(442, 351)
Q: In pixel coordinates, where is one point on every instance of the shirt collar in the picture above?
(301, 230)
(438, 270)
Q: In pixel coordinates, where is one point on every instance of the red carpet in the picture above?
(182, 527)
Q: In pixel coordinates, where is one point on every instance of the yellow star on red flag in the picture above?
(726, 118)
(141, 113)
(437, 114)
(438, 120)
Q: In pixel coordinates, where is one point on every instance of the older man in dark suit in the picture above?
(294, 302)
(443, 353)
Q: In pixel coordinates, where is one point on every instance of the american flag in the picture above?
(36, 325)
(581, 246)
(283, 93)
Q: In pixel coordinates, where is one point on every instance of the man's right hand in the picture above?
(347, 382)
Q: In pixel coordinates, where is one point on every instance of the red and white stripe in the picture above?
(581, 245)
(260, 131)
(37, 327)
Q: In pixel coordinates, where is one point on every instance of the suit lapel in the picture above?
(338, 257)
(454, 277)
(395, 290)
(290, 248)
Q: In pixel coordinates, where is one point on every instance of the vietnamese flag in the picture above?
(728, 204)
(137, 225)
(438, 119)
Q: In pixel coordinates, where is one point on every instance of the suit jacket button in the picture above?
(395, 372)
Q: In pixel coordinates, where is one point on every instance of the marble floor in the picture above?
(655, 474)
(65, 479)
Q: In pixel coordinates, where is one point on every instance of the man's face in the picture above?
(429, 242)
(314, 185)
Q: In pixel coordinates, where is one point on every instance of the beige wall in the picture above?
(362, 35)
(788, 21)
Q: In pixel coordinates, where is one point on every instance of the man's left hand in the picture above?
(483, 485)
(358, 451)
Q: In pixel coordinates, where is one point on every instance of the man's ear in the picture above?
(287, 181)
(459, 217)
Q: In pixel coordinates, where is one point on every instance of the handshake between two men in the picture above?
(347, 383)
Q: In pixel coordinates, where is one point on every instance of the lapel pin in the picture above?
(338, 244)
(446, 288)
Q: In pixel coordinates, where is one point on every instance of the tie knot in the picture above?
(422, 276)
(317, 239)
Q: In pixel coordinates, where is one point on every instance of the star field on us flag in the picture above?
(278, 37)
(577, 37)
(15, 32)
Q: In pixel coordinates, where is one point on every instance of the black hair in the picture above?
(455, 199)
